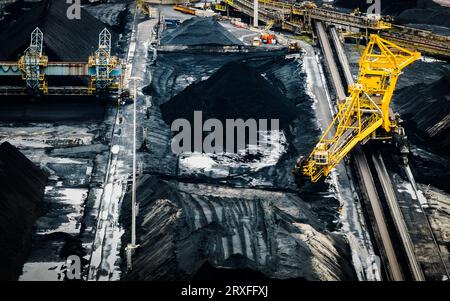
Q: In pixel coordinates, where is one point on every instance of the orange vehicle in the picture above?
(267, 38)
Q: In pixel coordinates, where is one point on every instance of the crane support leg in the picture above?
(103, 64)
(32, 63)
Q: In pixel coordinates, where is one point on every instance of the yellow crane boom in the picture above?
(365, 114)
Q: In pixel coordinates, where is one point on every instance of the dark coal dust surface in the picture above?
(200, 31)
(279, 76)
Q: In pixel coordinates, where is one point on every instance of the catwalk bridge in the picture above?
(299, 18)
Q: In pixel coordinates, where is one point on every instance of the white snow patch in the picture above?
(74, 197)
(42, 271)
(186, 80)
(219, 165)
(407, 188)
(25, 143)
(115, 149)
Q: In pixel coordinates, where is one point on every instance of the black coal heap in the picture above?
(22, 187)
(200, 31)
(406, 11)
(234, 91)
(64, 39)
(426, 108)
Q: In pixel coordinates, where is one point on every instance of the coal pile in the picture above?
(108, 13)
(426, 111)
(200, 31)
(192, 231)
(406, 11)
(438, 16)
(22, 186)
(174, 73)
(234, 91)
(426, 108)
(393, 7)
(64, 39)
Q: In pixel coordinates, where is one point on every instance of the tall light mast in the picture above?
(132, 246)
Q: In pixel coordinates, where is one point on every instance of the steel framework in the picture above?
(31, 64)
(103, 63)
(365, 114)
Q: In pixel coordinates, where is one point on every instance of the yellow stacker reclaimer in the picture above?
(365, 114)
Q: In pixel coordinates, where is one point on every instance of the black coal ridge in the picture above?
(235, 91)
(428, 16)
(173, 248)
(423, 106)
(22, 186)
(392, 7)
(200, 31)
(406, 11)
(64, 39)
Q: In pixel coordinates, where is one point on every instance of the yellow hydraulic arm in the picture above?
(269, 25)
(365, 114)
